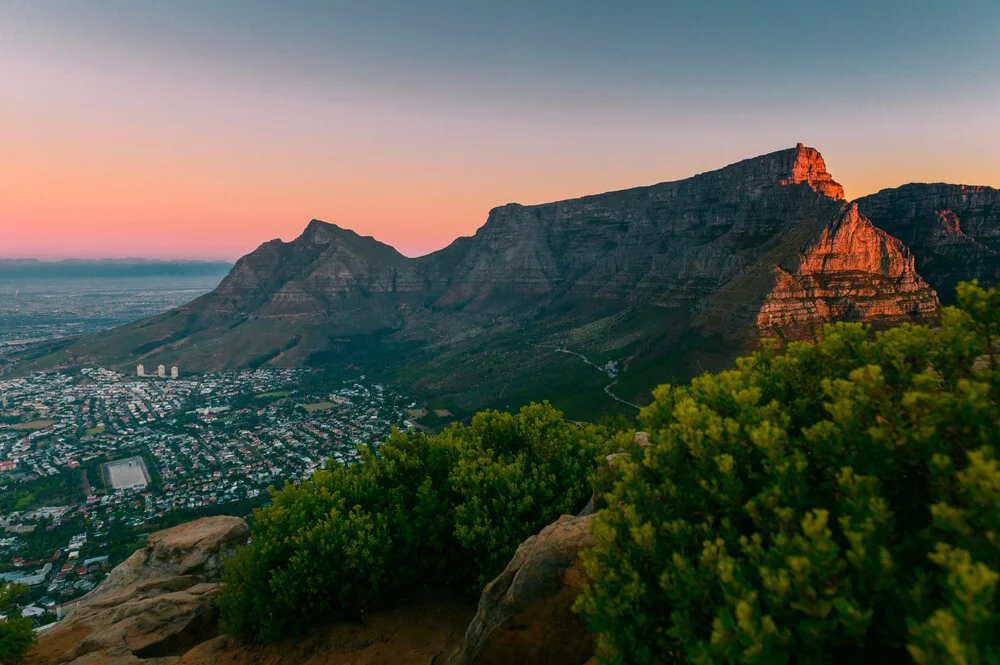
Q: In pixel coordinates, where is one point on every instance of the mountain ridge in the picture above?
(667, 279)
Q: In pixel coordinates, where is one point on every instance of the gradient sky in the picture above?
(201, 128)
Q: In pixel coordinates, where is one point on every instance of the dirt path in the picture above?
(423, 631)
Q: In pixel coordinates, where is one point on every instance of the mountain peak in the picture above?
(810, 168)
(319, 227)
(323, 233)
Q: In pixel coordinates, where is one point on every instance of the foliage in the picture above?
(16, 634)
(839, 502)
(448, 509)
(519, 474)
(61, 488)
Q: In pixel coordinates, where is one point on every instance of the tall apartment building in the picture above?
(174, 372)
(140, 370)
(161, 372)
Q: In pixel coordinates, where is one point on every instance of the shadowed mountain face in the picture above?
(953, 230)
(667, 280)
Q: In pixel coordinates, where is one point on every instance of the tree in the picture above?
(443, 510)
(839, 502)
(16, 634)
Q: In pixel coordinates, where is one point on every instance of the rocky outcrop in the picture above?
(851, 272)
(810, 168)
(525, 615)
(952, 230)
(158, 603)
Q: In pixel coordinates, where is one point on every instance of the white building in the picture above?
(174, 372)
(38, 577)
(161, 372)
(140, 370)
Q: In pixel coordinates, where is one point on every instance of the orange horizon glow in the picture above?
(67, 208)
(120, 140)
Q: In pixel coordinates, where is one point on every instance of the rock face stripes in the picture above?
(851, 272)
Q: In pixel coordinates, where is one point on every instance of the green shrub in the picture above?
(423, 510)
(839, 502)
(517, 473)
(16, 634)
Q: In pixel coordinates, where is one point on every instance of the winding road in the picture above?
(609, 369)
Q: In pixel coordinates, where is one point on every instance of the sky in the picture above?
(202, 128)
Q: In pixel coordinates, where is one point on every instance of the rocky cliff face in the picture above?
(668, 245)
(157, 604)
(679, 277)
(952, 230)
(810, 168)
(852, 271)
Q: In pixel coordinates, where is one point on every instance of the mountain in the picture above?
(953, 230)
(666, 281)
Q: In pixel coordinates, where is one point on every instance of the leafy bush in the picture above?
(16, 634)
(516, 475)
(839, 502)
(422, 510)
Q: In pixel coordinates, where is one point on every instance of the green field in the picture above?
(93, 431)
(278, 394)
(34, 425)
(318, 406)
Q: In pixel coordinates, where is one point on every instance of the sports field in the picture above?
(130, 472)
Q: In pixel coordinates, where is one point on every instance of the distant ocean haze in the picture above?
(42, 301)
(13, 269)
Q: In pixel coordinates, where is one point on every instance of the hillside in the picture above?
(667, 281)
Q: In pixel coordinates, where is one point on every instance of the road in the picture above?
(611, 369)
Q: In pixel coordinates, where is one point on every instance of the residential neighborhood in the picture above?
(89, 459)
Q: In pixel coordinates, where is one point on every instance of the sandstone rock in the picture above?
(615, 456)
(525, 614)
(851, 272)
(590, 508)
(158, 603)
(121, 656)
(642, 439)
(810, 168)
(952, 230)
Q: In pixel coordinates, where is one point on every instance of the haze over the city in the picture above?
(199, 130)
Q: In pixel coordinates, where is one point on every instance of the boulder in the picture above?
(525, 615)
(157, 604)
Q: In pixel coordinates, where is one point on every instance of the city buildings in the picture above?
(212, 444)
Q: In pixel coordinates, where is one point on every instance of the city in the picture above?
(92, 461)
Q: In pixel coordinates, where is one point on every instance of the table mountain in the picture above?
(662, 282)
